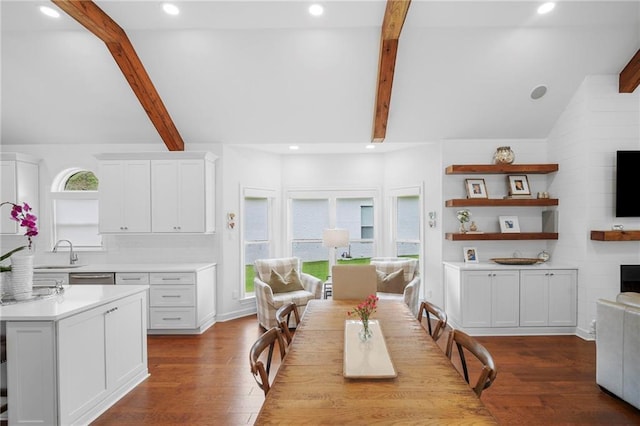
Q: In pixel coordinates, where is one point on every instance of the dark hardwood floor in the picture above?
(205, 380)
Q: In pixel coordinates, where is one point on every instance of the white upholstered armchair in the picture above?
(268, 301)
(410, 293)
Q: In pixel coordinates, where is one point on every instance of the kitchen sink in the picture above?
(57, 266)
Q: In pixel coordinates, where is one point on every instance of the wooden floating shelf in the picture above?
(615, 235)
(503, 236)
(501, 202)
(460, 169)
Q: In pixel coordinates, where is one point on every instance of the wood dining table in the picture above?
(310, 388)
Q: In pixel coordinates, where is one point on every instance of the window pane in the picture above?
(356, 215)
(256, 224)
(309, 218)
(77, 221)
(408, 249)
(408, 218)
(315, 258)
(82, 181)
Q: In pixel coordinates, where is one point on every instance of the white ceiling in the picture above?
(267, 73)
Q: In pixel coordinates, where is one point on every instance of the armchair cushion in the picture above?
(290, 282)
(391, 283)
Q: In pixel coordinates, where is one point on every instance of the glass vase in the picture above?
(365, 332)
(462, 229)
(504, 155)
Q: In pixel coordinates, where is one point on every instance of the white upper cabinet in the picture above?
(125, 196)
(157, 192)
(182, 196)
(18, 184)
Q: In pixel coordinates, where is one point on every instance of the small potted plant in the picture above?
(463, 216)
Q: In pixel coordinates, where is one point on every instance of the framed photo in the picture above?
(470, 255)
(518, 185)
(476, 188)
(509, 224)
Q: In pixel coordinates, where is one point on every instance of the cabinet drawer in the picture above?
(172, 278)
(172, 318)
(180, 295)
(132, 278)
(48, 279)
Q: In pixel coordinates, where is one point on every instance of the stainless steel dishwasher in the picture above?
(99, 278)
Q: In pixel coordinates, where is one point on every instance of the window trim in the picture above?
(271, 196)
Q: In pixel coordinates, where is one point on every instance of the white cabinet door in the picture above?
(490, 298)
(125, 196)
(8, 192)
(127, 340)
(534, 298)
(82, 361)
(99, 351)
(178, 195)
(476, 298)
(18, 184)
(548, 298)
(505, 299)
(563, 298)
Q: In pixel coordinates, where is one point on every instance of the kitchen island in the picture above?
(71, 356)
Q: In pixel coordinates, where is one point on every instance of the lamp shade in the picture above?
(335, 237)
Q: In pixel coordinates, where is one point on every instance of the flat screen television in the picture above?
(627, 183)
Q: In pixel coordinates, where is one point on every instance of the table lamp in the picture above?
(334, 238)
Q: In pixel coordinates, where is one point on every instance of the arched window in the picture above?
(75, 208)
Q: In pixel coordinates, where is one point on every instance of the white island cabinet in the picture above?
(492, 299)
(70, 357)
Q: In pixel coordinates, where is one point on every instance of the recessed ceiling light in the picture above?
(546, 7)
(538, 92)
(294, 147)
(316, 9)
(170, 9)
(49, 11)
(371, 146)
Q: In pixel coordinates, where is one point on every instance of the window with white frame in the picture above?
(74, 195)
(406, 224)
(257, 216)
(310, 212)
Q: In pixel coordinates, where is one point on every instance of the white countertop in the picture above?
(75, 299)
(481, 266)
(124, 267)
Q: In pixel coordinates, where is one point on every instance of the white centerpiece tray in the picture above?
(366, 360)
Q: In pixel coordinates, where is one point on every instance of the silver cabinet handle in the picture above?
(131, 279)
(89, 277)
(172, 319)
(171, 295)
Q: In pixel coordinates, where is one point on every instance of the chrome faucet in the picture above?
(73, 256)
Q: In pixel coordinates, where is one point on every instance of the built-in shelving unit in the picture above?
(502, 236)
(615, 235)
(462, 169)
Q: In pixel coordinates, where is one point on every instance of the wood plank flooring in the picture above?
(205, 380)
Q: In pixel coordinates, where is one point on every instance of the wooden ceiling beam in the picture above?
(394, 17)
(630, 76)
(89, 15)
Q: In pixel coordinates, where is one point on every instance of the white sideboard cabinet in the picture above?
(486, 299)
(19, 174)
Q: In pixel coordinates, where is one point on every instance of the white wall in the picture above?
(598, 122)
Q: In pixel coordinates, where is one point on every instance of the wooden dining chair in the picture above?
(283, 317)
(266, 341)
(440, 318)
(464, 341)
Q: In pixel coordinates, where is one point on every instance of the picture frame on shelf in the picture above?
(470, 254)
(518, 185)
(476, 188)
(509, 224)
